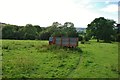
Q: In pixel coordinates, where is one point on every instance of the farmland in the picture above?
(36, 59)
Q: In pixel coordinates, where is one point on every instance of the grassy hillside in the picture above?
(36, 59)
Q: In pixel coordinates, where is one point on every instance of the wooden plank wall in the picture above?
(64, 41)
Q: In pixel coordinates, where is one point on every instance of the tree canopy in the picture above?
(32, 32)
(101, 29)
(66, 30)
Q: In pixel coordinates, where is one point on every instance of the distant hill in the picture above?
(2, 24)
(80, 29)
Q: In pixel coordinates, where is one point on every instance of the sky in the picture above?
(45, 12)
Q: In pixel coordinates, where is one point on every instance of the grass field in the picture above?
(36, 59)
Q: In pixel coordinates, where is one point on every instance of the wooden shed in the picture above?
(64, 41)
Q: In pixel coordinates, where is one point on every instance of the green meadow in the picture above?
(38, 59)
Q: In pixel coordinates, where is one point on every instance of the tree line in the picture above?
(100, 29)
(32, 32)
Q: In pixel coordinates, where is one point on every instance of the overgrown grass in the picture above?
(99, 60)
(36, 59)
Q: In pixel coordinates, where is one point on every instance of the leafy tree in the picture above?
(39, 29)
(44, 35)
(8, 32)
(53, 29)
(101, 28)
(66, 30)
(70, 29)
(20, 33)
(30, 32)
(80, 38)
(118, 32)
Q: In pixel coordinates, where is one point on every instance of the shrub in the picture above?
(86, 38)
(80, 38)
(82, 42)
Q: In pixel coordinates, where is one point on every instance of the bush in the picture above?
(86, 38)
(80, 38)
(82, 42)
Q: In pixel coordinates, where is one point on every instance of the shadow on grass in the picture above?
(55, 47)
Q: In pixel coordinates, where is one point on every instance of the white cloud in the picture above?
(45, 12)
(107, 2)
(104, 0)
(110, 8)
